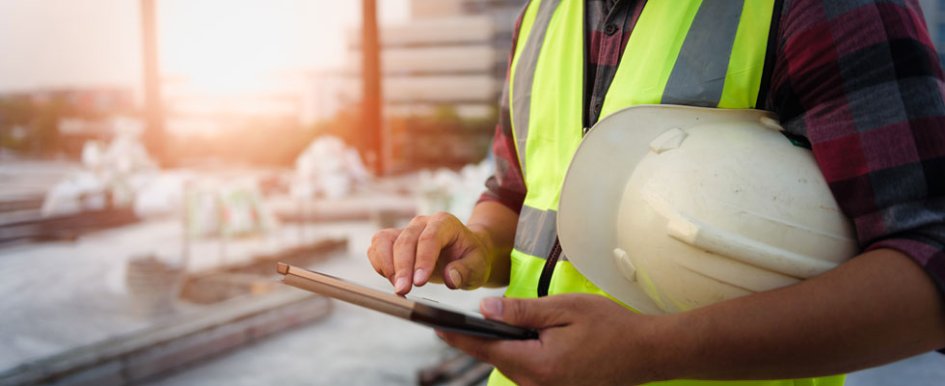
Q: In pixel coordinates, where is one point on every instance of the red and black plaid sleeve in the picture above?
(861, 80)
(506, 185)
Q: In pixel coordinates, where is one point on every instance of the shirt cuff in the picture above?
(928, 255)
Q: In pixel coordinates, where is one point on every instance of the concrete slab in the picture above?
(57, 296)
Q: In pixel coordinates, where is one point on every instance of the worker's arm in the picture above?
(877, 308)
(440, 247)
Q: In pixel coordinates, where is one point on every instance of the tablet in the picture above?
(425, 312)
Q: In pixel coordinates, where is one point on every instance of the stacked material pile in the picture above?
(328, 168)
(109, 178)
(450, 191)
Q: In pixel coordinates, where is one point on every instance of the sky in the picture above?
(81, 43)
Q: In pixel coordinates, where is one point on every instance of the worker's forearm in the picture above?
(495, 223)
(877, 308)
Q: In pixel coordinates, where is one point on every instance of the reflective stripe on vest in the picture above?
(703, 53)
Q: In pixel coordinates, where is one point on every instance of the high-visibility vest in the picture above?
(707, 53)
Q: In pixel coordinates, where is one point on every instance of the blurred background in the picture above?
(157, 157)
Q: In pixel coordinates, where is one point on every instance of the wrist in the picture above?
(492, 255)
(669, 339)
(484, 240)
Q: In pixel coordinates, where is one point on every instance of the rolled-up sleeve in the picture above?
(506, 185)
(862, 82)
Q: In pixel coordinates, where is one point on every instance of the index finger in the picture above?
(405, 250)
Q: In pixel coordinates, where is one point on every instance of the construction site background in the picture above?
(122, 266)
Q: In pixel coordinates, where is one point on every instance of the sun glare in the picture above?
(227, 47)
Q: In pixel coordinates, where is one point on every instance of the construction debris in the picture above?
(109, 178)
(450, 191)
(226, 208)
(327, 168)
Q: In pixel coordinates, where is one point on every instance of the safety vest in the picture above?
(707, 53)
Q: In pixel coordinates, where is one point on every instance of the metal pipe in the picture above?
(372, 133)
(154, 135)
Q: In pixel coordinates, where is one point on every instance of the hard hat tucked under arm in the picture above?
(864, 84)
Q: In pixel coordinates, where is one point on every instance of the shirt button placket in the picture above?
(610, 29)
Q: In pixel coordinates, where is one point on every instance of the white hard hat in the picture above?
(669, 208)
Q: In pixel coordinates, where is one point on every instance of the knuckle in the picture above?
(383, 235)
(412, 231)
(516, 311)
(404, 240)
(427, 237)
(377, 236)
(441, 216)
(419, 220)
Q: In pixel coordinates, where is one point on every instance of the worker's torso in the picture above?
(703, 53)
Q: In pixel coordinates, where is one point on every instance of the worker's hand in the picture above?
(436, 248)
(584, 340)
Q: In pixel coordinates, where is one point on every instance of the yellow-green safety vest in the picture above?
(690, 52)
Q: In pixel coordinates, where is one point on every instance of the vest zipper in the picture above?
(544, 281)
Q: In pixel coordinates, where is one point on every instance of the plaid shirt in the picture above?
(859, 79)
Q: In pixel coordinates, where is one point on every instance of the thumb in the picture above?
(532, 313)
(468, 272)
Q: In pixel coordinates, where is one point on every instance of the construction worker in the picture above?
(858, 79)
